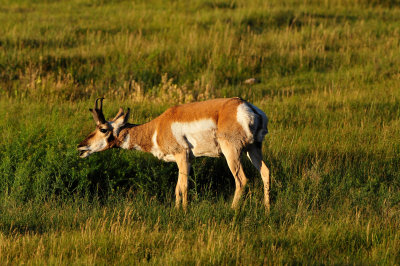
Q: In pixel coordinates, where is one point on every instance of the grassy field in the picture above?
(329, 79)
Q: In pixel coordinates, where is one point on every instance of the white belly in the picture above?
(198, 136)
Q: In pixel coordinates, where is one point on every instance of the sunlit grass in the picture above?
(144, 230)
(327, 77)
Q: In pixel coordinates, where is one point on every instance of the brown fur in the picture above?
(140, 135)
(231, 140)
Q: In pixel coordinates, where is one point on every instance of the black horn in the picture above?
(98, 112)
(101, 104)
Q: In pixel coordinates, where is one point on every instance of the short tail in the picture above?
(262, 128)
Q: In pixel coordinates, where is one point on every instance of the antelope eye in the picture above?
(103, 130)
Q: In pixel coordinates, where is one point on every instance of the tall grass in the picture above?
(144, 230)
(327, 77)
(75, 49)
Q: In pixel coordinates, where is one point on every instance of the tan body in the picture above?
(210, 128)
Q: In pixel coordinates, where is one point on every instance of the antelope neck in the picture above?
(136, 137)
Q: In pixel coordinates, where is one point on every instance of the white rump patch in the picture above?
(246, 118)
(253, 121)
(264, 123)
(197, 136)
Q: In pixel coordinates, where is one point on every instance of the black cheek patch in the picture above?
(111, 138)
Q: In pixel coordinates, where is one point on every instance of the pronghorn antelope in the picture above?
(210, 128)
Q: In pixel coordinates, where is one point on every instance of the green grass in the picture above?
(328, 80)
(143, 229)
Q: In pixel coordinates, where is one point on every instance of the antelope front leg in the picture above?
(182, 160)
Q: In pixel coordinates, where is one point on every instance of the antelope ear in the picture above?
(120, 121)
(120, 112)
(126, 116)
(121, 118)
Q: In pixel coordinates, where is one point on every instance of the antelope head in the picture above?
(106, 132)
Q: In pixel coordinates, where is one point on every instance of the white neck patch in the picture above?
(156, 151)
(126, 142)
